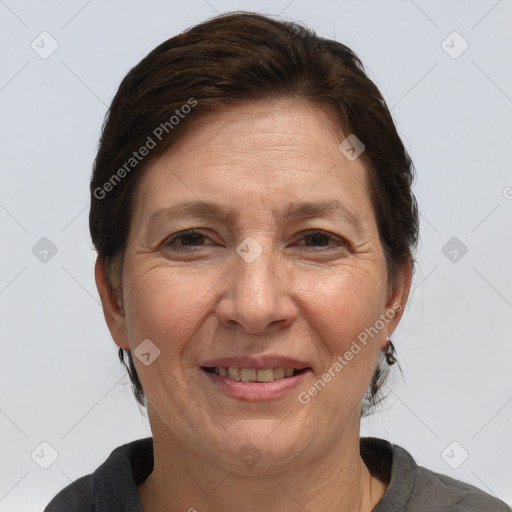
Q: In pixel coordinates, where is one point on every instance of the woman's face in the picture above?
(254, 248)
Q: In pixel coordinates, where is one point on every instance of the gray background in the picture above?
(61, 380)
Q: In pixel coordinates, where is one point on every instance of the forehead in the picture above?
(262, 154)
(282, 127)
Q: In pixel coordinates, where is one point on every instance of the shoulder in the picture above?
(413, 488)
(113, 486)
(78, 496)
(446, 493)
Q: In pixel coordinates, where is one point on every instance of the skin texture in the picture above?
(303, 297)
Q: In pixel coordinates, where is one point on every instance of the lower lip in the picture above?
(256, 391)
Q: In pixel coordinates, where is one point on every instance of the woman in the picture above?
(255, 225)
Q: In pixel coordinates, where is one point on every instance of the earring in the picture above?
(390, 353)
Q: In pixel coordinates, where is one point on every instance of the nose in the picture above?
(258, 298)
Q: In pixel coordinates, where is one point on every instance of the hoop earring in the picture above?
(390, 353)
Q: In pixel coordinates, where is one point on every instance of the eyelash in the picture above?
(170, 242)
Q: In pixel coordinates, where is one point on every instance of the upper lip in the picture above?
(258, 363)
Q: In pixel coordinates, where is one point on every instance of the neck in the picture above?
(334, 480)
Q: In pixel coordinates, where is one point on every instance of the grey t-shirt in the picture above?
(113, 486)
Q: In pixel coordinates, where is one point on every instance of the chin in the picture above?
(253, 446)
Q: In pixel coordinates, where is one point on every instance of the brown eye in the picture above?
(318, 239)
(192, 239)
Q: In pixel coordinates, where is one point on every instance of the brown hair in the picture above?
(236, 58)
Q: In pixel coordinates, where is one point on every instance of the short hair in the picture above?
(233, 59)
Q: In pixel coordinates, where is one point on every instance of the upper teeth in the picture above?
(253, 375)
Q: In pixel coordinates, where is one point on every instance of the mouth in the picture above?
(260, 375)
(255, 379)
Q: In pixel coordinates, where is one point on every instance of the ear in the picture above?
(397, 299)
(113, 312)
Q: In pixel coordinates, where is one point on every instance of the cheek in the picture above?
(346, 303)
(344, 314)
(347, 307)
(165, 306)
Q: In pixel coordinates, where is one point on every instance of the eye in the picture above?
(321, 240)
(186, 240)
(317, 239)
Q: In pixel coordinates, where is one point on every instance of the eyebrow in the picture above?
(332, 208)
(192, 209)
(295, 210)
